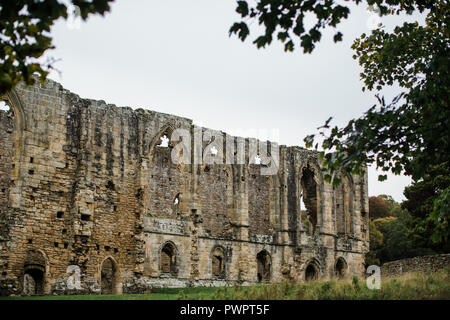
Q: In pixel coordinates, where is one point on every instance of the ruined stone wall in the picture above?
(91, 190)
(431, 263)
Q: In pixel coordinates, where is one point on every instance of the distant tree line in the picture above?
(406, 230)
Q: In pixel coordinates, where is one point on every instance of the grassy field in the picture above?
(406, 287)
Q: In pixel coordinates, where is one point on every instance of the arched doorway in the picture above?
(218, 263)
(264, 264)
(109, 276)
(311, 272)
(341, 268)
(34, 273)
(168, 259)
(33, 281)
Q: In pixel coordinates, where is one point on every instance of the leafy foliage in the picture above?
(391, 236)
(285, 20)
(378, 208)
(376, 242)
(25, 35)
(428, 203)
(413, 131)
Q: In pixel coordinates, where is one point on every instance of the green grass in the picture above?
(406, 287)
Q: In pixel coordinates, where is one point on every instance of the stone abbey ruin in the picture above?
(90, 202)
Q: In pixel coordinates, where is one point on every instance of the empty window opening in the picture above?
(64, 231)
(264, 264)
(116, 250)
(110, 186)
(311, 272)
(4, 106)
(309, 197)
(218, 263)
(31, 172)
(214, 151)
(108, 277)
(30, 241)
(66, 245)
(168, 259)
(31, 159)
(257, 159)
(85, 217)
(107, 248)
(176, 201)
(59, 214)
(55, 244)
(164, 142)
(341, 268)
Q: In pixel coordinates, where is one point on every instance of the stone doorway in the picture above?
(341, 268)
(311, 272)
(168, 259)
(263, 259)
(108, 276)
(33, 281)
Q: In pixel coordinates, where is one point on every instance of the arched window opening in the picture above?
(341, 268)
(164, 142)
(218, 263)
(108, 276)
(214, 151)
(176, 201)
(4, 106)
(168, 259)
(311, 272)
(309, 198)
(257, 159)
(264, 265)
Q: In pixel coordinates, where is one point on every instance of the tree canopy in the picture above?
(430, 230)
(25, 35)
(378, 208)
(405, 135)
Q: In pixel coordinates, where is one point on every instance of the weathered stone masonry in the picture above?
(91, 202)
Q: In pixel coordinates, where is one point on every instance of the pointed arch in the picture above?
(164, 180)
(343, 205)
(166, 130)
(311, 186)
(110, 276)
(264, 266)
(340, 268)
(312, 270)
(218, 262)
(20, 125)
(168, 258)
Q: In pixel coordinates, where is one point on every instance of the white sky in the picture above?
(176, 57)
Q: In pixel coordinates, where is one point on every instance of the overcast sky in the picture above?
(175, 56)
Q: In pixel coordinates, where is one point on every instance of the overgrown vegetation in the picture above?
(393, 231)
(407, 287)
